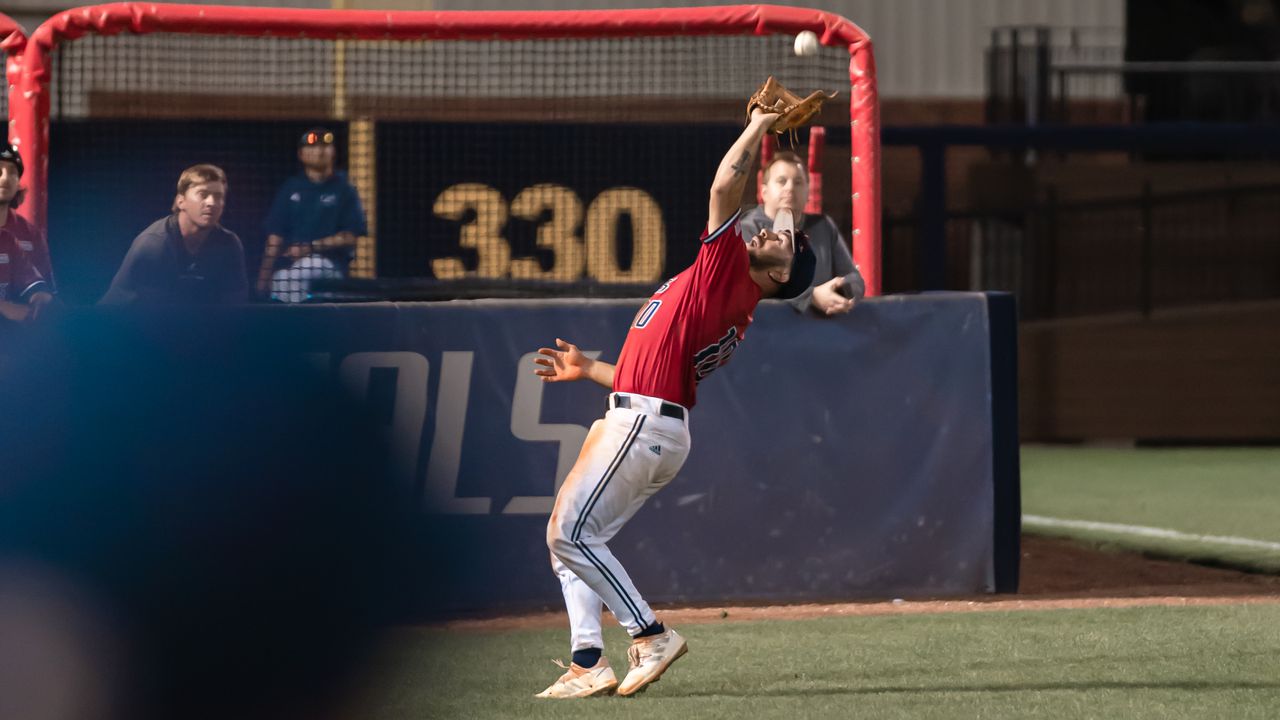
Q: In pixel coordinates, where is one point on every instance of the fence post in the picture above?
(1038, 80)
(1062, 118)
(993, 78)
(887, 229)
(1233, 291)
(1015, 87)
(1144, 281)
(1051, 252)
(931, 235)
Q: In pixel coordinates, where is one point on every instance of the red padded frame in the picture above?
(29, 95)
(13, 41)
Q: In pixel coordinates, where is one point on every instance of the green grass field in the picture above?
(1218, 492)
(1132, 663)
(1167, 663)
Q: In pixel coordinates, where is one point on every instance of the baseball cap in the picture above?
(802, 268)
(10, 153)
(316, 136)
(803, 263)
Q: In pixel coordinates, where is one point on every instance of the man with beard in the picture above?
(187, 258)
(312, 225)
(837, 283)
(692, 325)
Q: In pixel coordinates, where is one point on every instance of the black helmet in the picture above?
(10, 153)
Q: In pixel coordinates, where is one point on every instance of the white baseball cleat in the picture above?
(580, 682)
(650, 657)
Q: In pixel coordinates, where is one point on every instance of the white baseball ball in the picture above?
(807, 43)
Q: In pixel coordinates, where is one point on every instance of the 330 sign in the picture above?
(593, 253)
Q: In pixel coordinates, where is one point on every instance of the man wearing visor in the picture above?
(313, 224)
(690, 327)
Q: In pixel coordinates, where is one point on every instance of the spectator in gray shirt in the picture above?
(186, 258)
(836, 280)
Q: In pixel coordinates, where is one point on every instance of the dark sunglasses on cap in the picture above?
(316, 137)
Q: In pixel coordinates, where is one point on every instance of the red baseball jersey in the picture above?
(18, 275)
(692, 324)
(31, 241)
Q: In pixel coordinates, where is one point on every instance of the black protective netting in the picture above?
(499, 162)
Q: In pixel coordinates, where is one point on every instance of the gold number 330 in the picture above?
(598, 256)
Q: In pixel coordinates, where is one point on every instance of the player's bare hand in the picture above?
(563, 364)
(759, 115)
(299, 250)
(828, 300)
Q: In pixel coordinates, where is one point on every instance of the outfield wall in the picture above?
(870, 455)
(1195, 374)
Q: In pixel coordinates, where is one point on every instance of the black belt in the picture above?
(670, 410)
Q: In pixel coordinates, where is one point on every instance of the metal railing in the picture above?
(1143, 92)
(1020, 60)
(1038, 75)
(1138, 253)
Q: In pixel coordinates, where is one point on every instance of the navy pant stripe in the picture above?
(613, 582)
(608, 474)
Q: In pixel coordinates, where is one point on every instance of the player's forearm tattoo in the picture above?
(743, 164)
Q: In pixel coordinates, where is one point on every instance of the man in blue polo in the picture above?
(312, 225)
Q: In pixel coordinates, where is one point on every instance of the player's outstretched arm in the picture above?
(568, 363)
(731, 176)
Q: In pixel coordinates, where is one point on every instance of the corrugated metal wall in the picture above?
(934, 48)
(924, 48)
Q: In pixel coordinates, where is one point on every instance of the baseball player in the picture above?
(837, 283)
(23, 292)
(690, 326)
(28, 238)
(24, 289)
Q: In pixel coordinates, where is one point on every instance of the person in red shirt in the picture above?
(690, 327)
(31, 240)
(25, 276)
(23, 293)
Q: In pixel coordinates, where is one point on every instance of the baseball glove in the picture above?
(793, 111)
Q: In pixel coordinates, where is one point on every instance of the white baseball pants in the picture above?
(293, 284)
(628, 456)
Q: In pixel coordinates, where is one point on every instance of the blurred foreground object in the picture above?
(191, 525)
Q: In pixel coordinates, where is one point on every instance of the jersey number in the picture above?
(647, 314)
